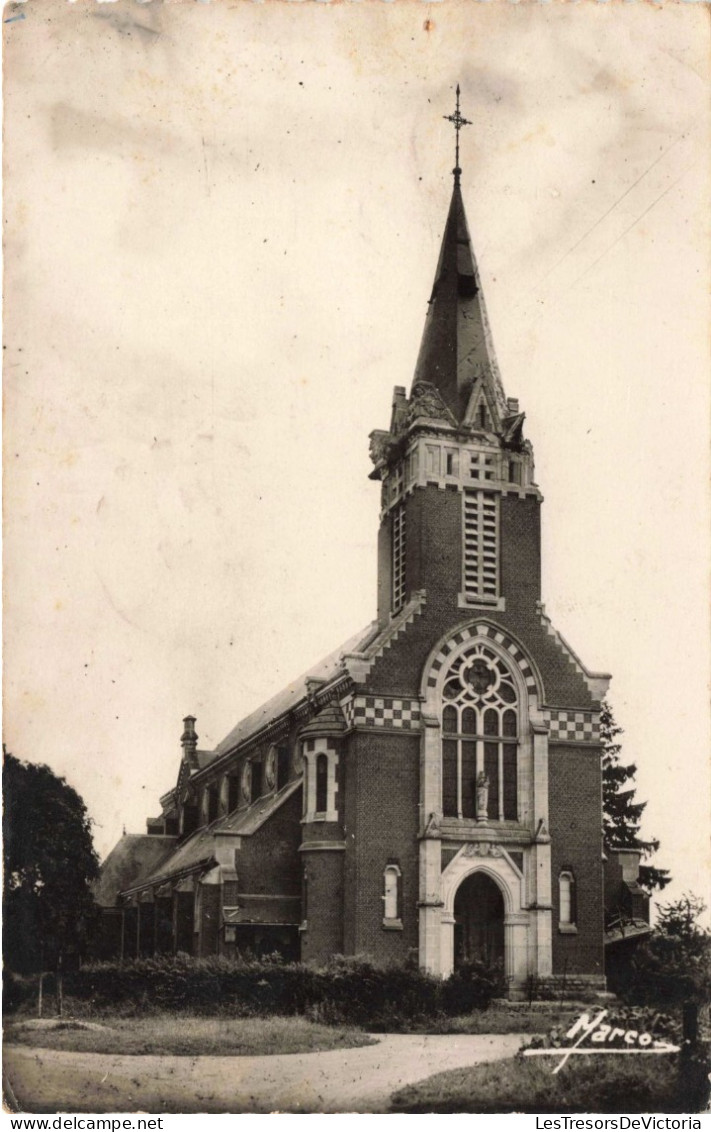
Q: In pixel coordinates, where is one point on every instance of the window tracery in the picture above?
(480, 735)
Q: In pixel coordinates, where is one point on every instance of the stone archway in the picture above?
(479, 922)
(486, 862)
(527, 898)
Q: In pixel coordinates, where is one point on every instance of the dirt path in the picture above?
(351, 1080)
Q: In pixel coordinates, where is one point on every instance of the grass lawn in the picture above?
(502, 1019)
(584, 1084)
(188, 1035)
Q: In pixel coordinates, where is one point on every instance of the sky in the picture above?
(221, 228)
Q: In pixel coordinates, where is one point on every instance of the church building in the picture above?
(431, 791)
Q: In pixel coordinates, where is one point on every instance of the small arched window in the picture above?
(321, 784)
(320, 765)
(566, 900)
(392, 915)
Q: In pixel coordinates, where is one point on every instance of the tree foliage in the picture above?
(621, 814)
(674, 965)
(49, 862)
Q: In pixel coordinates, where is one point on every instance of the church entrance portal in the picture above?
(479, 922)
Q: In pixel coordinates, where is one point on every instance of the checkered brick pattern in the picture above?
(380, 711)
(574, 726)
(472, 634)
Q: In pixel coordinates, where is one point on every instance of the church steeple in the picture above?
(457, 351)
(454, 465)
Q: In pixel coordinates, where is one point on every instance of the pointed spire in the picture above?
(457, 349)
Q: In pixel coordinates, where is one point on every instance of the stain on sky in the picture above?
(628, 118)
(126, 25)
(485, 86)
(71, 128)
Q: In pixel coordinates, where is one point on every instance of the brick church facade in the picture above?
(431, 791)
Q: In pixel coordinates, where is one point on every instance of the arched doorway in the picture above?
(479, 922)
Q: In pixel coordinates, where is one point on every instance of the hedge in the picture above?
(352, 991)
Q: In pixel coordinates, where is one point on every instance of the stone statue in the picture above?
(379, 444)
(482, 796)
(426, 401)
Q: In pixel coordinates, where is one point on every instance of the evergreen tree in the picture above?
(621, 814)
(674, 964)
(49, 862)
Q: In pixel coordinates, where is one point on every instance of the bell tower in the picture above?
(460, 506)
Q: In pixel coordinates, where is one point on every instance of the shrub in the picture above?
(18, 990)
(472, 987)
(674, 966)
(347, 990)
(381, 998)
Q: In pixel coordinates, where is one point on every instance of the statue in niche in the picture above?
(482, 796)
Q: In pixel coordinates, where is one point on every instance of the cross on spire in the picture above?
(458, 121)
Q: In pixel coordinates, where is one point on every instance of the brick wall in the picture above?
(433, 530)
(399, 670)
(323, 936)
(576, 842)
(433, 534)
(520, 536)
(349, 770)
(384, 569)
(268, 861)
(381, 827)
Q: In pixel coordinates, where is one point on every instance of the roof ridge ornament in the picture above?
(458, 121)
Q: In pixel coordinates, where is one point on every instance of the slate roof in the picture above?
(630, 930)
(325, 670)
(457, 346)
(134, 856)
(330, 719)
(204, 758)
(247, 822)
(198, 849)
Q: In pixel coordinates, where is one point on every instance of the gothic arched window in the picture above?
(320, 762)
(566, 900)
(392, 916)
(480, 733)
(321, 784)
